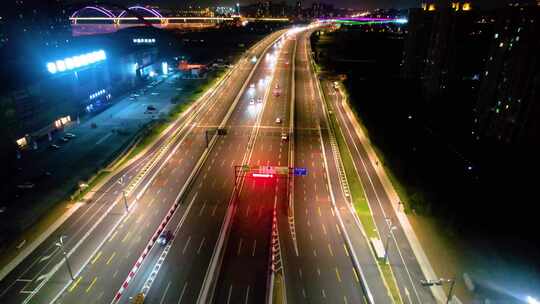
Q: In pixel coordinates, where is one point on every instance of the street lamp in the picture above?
(60, 244)
(440, 282)
(531, 300)
(387, 242)
(120, 181)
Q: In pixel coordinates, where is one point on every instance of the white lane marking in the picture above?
(104, 138)
(202, 209)
(165, 293)
(229, 296)
(239, 247)
(182, 293)
(200, 246)
(247, 295)
(186, 245)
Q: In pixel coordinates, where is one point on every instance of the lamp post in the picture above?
(387, 242)
(63, 248)
(440, 282)
(388, 236)
(120, 181)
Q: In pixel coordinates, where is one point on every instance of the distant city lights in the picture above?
(71, 63)
(165, 68)
(144, 40)
(97, 94)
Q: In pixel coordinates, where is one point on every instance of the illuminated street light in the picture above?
(531, 300)
(387, 242)
(440, 282)
(120, 181)
(63, 248)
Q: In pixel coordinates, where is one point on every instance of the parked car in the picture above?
(64, 139)
(54, 146)
(70, 135)
(278, 120)
(284, 136)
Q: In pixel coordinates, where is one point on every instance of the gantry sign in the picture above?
(266, 172)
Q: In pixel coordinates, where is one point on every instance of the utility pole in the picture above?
(63, 248)
(125, 200)
(440, 282)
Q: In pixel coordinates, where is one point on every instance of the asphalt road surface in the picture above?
(184, 267)
(402, 259)
(103, 242)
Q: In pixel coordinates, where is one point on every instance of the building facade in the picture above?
(508, 105)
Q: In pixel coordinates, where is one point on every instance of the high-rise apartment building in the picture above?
(508, 107)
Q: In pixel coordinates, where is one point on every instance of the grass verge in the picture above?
(360, 203)
(401, 190)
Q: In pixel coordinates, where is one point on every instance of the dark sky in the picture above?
(337, 3)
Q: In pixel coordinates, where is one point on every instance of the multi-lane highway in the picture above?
(319, 257)
(101, 237)
(221, 223)
(227, 228)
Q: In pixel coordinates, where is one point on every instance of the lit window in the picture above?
(22, 142)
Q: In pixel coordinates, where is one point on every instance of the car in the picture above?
(278, 120)
(26, 185)
(70, 135)
(54, 146)
(259, 100)
(64, 139)
(284, 136)
(252, 101)
(164, 237)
